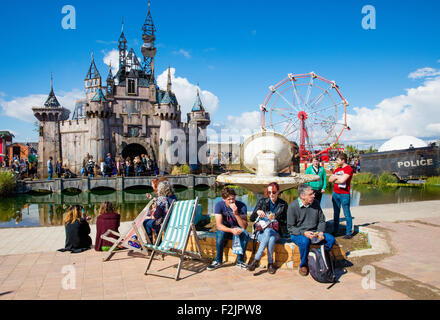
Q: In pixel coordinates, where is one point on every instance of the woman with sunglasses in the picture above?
(77, 230)
(271, 207)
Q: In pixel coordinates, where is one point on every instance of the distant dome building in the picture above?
(402, 143)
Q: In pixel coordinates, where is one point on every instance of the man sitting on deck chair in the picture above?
(230, 219)
(306, 225)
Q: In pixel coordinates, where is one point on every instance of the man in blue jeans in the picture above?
(306, 225)
(231, 220)
(341, 194)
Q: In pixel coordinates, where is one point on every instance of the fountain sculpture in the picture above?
(265, 154)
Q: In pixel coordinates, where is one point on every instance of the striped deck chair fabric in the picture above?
(176, 231)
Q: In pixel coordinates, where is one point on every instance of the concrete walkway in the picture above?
(31, 268)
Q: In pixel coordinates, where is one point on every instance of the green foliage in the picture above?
(179, 170)
(387, 178)
(7, 183)
(433, 181)
(364, 178)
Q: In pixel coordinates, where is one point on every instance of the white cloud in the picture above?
(423, 73)
(236, 128)
(113, 58)
(415, 113)
(186, 93)
(21, 107)
(184, 53)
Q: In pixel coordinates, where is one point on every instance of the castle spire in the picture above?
(93, 72)
(169, 79)
(122, 46)
(148, 49)
(198, 105)
(52, 101)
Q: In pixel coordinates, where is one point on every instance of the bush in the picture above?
(364, 178)
(178, 170)
(433, 181)
(7, 183)
(387, 178)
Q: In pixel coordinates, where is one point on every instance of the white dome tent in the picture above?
(402, 143)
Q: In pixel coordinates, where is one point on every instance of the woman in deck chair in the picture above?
(77, 230)
(165, 196)
(107, 219)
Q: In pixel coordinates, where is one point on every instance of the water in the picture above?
(49, 209)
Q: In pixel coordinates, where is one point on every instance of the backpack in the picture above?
(321, 266)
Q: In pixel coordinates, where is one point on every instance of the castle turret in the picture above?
(148, 48)
(198, 121)
(168, 110)
(92, 81)
(49, 116)
(98, 113)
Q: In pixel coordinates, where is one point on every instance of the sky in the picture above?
(233, 51)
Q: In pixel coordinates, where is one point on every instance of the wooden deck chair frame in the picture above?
(176, 252)
(121, 241)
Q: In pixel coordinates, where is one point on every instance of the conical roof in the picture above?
(198, 106)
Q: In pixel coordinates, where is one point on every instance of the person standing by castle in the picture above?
(50, 168)
(317, 186)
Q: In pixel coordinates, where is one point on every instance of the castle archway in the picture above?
(132, 150)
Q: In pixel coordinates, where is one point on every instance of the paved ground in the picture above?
(31, 268)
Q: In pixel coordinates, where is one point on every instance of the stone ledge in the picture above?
(286, 253)
(376, 239)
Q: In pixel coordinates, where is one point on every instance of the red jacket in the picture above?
(105, 222)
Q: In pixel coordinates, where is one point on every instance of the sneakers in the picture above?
(253, 265)
(214, 265)
(304, 271)
(271, 269)
(348, 236)
(242, 265)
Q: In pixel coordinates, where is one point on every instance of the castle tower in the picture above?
(50, 116)
(98, 113)
(92, 81)
(148, 49)
(198, 121)
(168, 110)
(110, 82)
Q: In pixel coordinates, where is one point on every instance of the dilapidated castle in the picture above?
(130, 115)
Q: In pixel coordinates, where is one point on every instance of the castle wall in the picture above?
(48, 145)
(75, 136)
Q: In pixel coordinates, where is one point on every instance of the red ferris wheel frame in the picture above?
(302, 114)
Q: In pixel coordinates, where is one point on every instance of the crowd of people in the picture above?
(302, 220)
(22, 168)
(124, 167)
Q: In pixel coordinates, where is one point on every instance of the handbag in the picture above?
(262, 223)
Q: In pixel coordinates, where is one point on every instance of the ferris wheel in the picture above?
(307, 109)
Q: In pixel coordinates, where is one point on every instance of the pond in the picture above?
(49, 209)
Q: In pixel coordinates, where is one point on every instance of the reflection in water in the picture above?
(49, 209)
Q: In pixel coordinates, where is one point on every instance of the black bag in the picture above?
(321, 266)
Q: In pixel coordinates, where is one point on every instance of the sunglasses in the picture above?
(272, 192)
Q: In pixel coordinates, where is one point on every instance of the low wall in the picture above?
(286, 252)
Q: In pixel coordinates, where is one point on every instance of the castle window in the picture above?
(131, 86)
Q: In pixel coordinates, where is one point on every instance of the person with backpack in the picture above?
(306, 225)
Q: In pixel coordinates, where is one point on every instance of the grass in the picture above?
(433, 181)
(367, 178)
(7, 183)
(364, 178)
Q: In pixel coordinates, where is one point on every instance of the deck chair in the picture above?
(136, 229)
(176, 230)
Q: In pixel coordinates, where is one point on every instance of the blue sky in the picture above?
(235, 50)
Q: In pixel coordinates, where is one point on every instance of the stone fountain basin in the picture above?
(258, 184)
